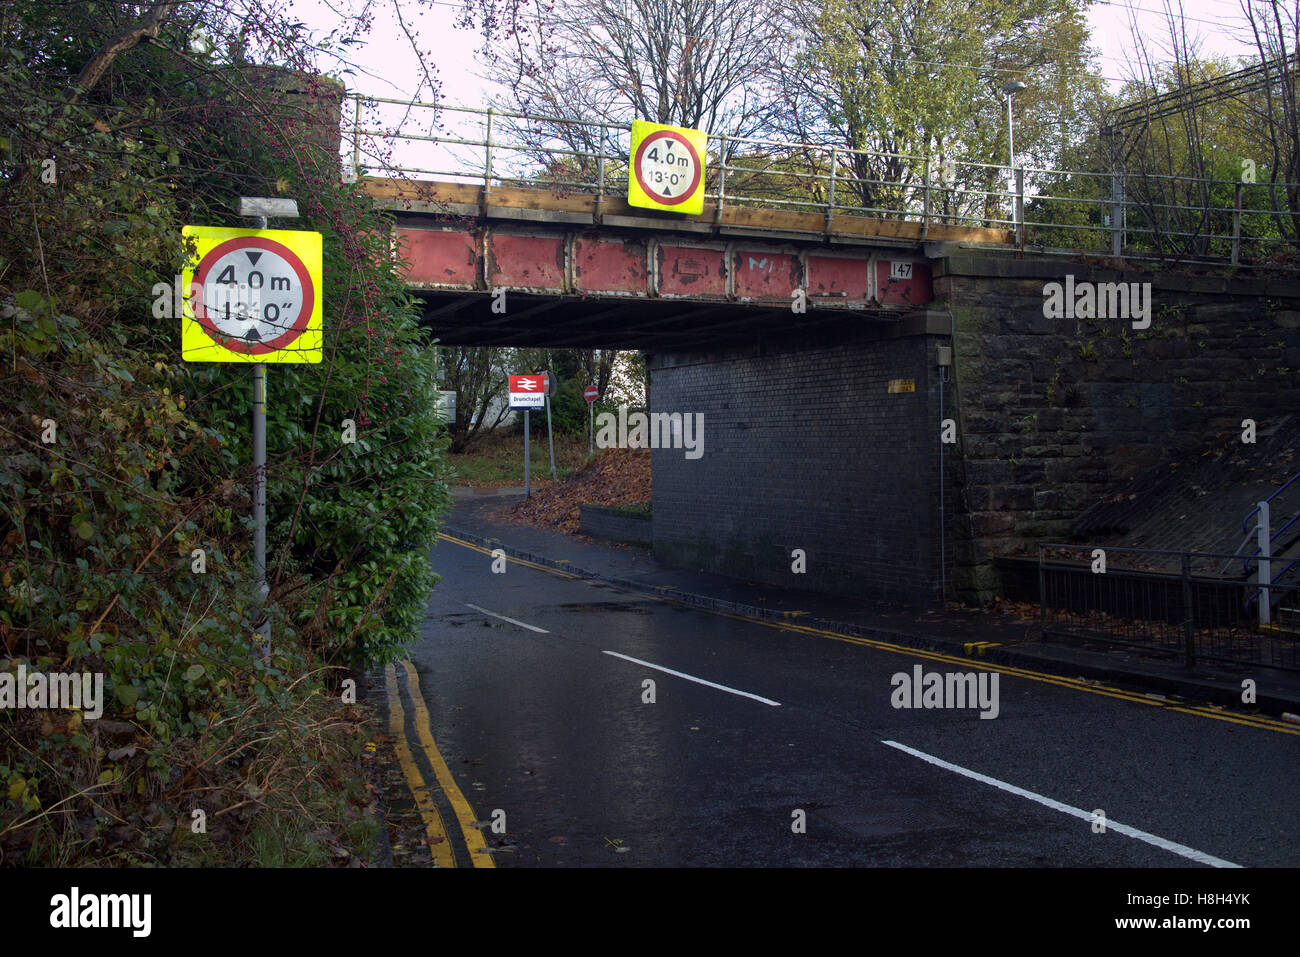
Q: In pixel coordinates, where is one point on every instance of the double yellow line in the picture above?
(440, 846)
(1077, 684)
(1251, 720)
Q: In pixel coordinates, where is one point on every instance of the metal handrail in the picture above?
(1269, 501)
(1271, 582)
(1272, 537)
(930, 193)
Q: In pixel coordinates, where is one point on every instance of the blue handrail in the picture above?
(1253, 511)
(1273, 535)
(1276, 578)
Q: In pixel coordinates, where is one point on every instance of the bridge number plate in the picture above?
(253, 295)
(668, 168)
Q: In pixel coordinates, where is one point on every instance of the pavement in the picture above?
(991, 636)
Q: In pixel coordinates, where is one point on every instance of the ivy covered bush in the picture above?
(125, 473)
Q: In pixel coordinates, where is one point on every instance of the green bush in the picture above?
(118, 461)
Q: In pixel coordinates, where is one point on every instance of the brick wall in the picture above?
(805, 448)
(613, 525)
(1057, 412)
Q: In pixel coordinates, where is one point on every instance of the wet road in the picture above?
(770, 745)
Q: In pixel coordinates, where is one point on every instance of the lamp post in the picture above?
(1011, 88)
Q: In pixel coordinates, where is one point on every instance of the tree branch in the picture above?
(147, 26)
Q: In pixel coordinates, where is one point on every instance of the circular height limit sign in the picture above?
(667, 165)
(253, 295)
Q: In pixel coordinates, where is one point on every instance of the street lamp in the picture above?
(1011, 88)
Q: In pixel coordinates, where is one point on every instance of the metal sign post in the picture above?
(263, 627)
(591, 393)
(527, 392)
(254, 296)
(550, 439)
(263, 621)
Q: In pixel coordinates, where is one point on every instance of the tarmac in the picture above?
(988, 636)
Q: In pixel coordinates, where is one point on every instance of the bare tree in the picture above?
(1193, 131)
(1276, 30)
(477, 375)
(694, 63)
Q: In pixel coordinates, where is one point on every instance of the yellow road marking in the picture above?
(478, 852)
(509, 558)
(439, 845)
(1255, 721)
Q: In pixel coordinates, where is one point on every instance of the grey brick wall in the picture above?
(804, 447)
(613, 525)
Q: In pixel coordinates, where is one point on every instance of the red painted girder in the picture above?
(589, 263)
(526, 262)
(609, 265)
(691, 272)
(439, 257)
(764, 274)
(903, 282)
(838, 280)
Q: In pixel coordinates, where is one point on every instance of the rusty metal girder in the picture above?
(608, 264)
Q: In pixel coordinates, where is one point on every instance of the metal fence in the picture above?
(1137, 217)
(1166, 604)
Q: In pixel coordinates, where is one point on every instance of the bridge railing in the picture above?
(1176, 605)
(1141, 217)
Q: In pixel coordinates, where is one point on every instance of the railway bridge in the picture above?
(889, 392)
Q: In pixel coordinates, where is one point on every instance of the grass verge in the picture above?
(497, 461)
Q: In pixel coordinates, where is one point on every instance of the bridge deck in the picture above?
(544, 205)
(586, 270)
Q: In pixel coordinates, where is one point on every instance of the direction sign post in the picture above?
(591, 394)
(527, 392)
(254, 295)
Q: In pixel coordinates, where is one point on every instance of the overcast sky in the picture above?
(393, 70)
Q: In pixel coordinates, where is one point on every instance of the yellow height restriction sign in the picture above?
(252, 295)
(667, 165)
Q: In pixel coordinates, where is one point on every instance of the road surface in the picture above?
(774, 745)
